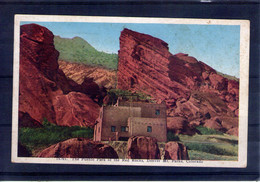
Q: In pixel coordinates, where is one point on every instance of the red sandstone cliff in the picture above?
(75, 71)
(191, 89)
(42, 85)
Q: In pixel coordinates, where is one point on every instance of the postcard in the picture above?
(130, 91)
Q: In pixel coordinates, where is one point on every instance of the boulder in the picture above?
(233, 131)
(237, 112)
(75, 109)
(141, 147)
(175, 151)
(179, 125)
(79, 148)
(233, 87)
(213, 123)
(195, 123)
(218, 82)
(229, 122)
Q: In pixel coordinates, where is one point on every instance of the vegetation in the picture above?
(211, 147)
(80, 51)
(217, 149)
(172, 137)
(198, 155)
(38, 138)
(127, 95)
(208, 131)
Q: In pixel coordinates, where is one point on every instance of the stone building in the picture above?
(127, 119)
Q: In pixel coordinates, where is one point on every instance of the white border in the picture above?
(243, 90)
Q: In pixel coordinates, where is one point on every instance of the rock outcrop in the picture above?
(79, 148)
(75, 108)
(233, 131)
(140, 147)
(190, 88)
(77, 72)
(175, 151)
(42, 84)
(179, 125)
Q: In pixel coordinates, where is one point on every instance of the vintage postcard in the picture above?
(130, 91)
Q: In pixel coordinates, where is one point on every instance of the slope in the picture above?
(80, 51)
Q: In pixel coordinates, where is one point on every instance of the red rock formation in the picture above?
(77, 72)
(75, 109)
(146, 65)
(140, 147)
(41, 80)
(222, 123)
(79, 148)
(179, 125)
(233, 131)
(213, 123)
(175, 151)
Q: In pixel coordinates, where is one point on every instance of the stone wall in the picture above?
(138, 126)
(149, 110)
(117, 116)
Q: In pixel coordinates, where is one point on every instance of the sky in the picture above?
(215, 45)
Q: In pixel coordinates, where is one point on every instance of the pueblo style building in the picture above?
(126, 119)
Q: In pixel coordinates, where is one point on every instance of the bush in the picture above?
(50, 133)
(172, 137)
(208, 131)
(83, 133)
(46, 123)
(127, 95)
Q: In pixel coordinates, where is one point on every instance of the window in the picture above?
(157, 112)
(149, 129)
(113, 128)
(124, 128)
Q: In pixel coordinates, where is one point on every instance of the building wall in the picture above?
(98, 126)
(148, 109)
(138, 127)
(117, 116)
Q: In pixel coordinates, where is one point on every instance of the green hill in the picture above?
(80, 51)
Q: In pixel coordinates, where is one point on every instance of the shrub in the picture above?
(208, 131)
(46, 123)
(50, 133)
(172, 137)
(84, 133)
(127, 95)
